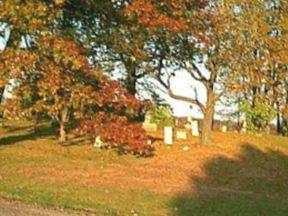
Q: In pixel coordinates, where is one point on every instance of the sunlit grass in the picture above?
(237, 175)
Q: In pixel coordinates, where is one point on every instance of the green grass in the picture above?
(98, 200)
(230, 205)
(247, 178)
(14, 155)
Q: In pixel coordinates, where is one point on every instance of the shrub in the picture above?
(162, 115)
(118, 132)
(258, 116)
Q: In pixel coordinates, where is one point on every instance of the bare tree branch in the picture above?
(218, 96)
(167, 86)
(194, 101)
(196, 73)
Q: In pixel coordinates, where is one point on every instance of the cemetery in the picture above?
(88, 176)
(81, 176)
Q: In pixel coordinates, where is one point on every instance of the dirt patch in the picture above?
(20, 209)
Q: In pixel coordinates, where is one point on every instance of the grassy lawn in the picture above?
(237, 175)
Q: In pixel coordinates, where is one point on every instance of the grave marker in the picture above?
(150, 127)
(168, 135)
(98, 142)
(181, 135)
(188, 126)
(147, 125)
(195, 128)
(244, 127)
(224, 129)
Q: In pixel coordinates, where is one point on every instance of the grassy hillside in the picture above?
(237, 175)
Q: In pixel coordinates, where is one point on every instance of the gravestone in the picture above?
(181, 135)
(98, 142)
(244, 127)
(148, 118)
(186, 148)
(190, 116)
(268, 130)
(147, 125)
(188, 126)
(224, 128)
(168, 135)
(195, 128)
(150, 127)
(177, 122)
(189, 119)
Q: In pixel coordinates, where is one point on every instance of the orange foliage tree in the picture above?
(233, 36)
(53, 78)
(183, 30)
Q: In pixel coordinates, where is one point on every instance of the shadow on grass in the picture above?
(77, 141)
(40, 132)
(154, 139)
(254, 184)
(11, 129)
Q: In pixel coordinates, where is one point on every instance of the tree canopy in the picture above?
(60, 55)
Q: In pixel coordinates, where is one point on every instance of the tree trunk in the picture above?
(279, 126)
(208, 112)
(207, 126)
(284, 125)
(131, 79)
(131, 84)
(62, 134)
(62, 121)
(1, 114)
(254, 94)
(239, 115)
(1, 94)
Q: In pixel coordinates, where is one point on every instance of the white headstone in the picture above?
(244, 127)
(224, 129)
(148, 117)
(195, 128)
(268, 129)
(149, 127)
(98, 142)
(188, 126)
(190, 116)
(176, 122)
(186, 148)
(168, 135)
(181, 134)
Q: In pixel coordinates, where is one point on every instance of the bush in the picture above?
(117, 132)
(162, 115)
(258, 116)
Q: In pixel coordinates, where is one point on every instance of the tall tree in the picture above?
(114, 41)
(258, 56)
(53, 76)
(195, 33)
